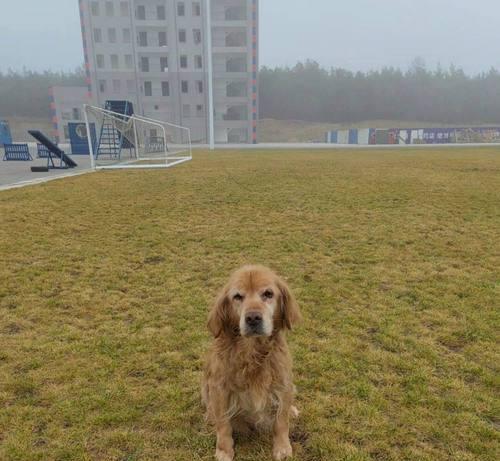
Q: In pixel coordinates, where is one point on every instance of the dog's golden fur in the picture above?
(247, 381)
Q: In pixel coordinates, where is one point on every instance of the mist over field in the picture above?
(355, 35)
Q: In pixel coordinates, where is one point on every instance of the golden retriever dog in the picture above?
(247, 383)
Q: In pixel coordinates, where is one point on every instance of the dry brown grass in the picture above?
(271, 130)
(393, 256)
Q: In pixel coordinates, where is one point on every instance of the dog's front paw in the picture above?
(224, 455)
(282, 450)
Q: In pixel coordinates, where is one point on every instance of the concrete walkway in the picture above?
(18, 174)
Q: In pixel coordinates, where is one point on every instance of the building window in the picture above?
(160, 12)
(131, 88)
(66, 131)
(236, 13)
(236, 90)
(94, 8)
(148, 89)
(129, 63)
(198, 62)
(164, 64)
(124, 8)
(186, 110)
(199, 86)
(117, 86)
(197, 36)
(236, 65)
(184, 62)
(196, 9)
(100, 61)
(199, 110)
(114, 61)
(181, 9)
(127, 36)
(162, 38)
(143, 39)
(144, 64)
(185, 86)
(110, 9)
(165, 89)
(112, 35)
(98, 35)
(236, 38)
(182, 36)
(102, 86)
(141, 12)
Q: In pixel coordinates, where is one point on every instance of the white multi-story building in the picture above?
(154, 53)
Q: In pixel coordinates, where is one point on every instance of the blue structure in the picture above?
(353, 136)
(5, 136)
(78, 138)
(332, 137)
(17, 152)
(111, 141)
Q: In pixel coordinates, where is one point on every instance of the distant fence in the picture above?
(406, 136)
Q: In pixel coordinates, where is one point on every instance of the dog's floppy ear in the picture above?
(218, 318)
(289, 308)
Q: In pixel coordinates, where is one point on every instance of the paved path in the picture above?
(18, 174)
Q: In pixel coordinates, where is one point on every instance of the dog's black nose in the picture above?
(253, 319)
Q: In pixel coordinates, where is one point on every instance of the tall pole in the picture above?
(211, 128)
(89, 137)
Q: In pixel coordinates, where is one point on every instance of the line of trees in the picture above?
(26, 93)
(312, 93)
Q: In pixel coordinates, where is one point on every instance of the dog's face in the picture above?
(255, 302)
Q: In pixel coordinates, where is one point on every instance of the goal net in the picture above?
(134, 141)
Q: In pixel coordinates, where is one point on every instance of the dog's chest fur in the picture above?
(256, 383)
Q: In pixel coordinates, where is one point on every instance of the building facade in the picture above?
(154, 53)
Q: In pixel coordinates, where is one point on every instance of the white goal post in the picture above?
(134, 141)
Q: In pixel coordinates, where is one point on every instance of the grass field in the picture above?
(394, 257)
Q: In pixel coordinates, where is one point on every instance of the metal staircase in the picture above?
(111, 141)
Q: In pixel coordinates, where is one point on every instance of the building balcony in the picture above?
(234, 114)
(236, 12)
(234, 38)
(231, 64)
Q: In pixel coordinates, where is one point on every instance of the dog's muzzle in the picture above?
(254, 324)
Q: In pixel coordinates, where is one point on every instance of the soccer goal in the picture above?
(127, 140)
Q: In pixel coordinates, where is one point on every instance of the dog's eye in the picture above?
(238, 297)
(268, 294)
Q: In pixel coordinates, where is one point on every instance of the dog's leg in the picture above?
(282, 447)
(225, 443)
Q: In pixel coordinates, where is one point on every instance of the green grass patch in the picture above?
(393, 255)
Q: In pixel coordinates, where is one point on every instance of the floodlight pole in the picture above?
(211, 128)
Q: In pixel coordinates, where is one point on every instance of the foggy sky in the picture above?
(355, 34)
